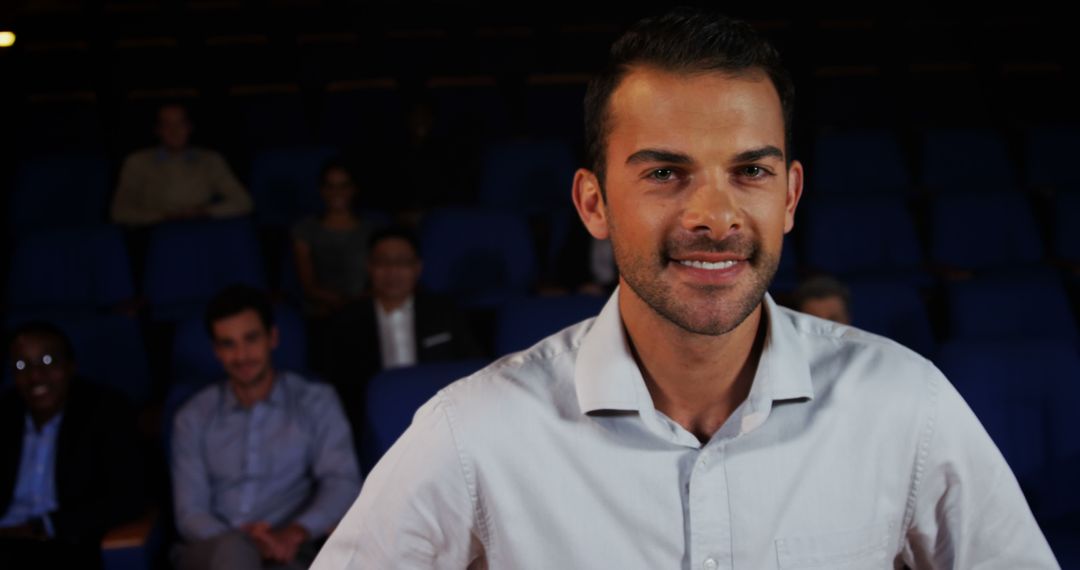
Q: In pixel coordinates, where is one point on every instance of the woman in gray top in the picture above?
(331, 249)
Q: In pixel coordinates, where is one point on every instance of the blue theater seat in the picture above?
(860, 235)
(525, 321)
(893, 309)
(394, 396)
(859, 162)
(480, 256)
(1067, 226)
(984, 230)
(1045, 150)
(188, 262)
(966, 161)
(1024, 393)
(58, 191)
(69, 271)
(527, 176)
(1017, 307)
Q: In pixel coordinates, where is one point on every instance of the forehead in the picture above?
(172, 113)
(241, 323)
(395, 246)
(337, 173)
(34, 344)
(703, 112)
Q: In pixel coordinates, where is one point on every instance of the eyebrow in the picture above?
(657, 155)
(756, 154)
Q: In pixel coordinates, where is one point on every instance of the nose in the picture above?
(712, 208)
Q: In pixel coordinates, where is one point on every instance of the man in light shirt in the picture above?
(262, 463)
(694, 423)
(175, 181)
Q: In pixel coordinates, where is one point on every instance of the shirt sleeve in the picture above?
(130, 203)
(334, 467)
(968, 509)
(192, 496)
(232, 200)
(417, 508)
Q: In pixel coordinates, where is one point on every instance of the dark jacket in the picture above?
(99, 475)
(442, 333)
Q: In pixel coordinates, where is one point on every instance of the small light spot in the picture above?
(7, 39)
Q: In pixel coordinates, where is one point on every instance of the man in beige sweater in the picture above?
(175, 181)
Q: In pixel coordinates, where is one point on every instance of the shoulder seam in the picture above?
(466, 471)
(923, 450)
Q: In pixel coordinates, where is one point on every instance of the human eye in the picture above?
(662, 174)
(754, 172)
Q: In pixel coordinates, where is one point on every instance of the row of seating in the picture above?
(88, 268)
(354, 113)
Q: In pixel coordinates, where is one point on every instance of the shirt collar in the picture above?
(163, 154)
(48, 428)
(276, 397)
(607, 377)
(405, 307)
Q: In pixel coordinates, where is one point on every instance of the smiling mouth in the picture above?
(717, 265)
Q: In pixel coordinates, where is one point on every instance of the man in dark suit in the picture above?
(69, 464)
(398, 326)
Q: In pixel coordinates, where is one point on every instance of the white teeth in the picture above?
(708, 265)
(39, 390)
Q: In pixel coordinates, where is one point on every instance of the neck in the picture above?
(337, 216)
(696, 380)
(391, 304)
(248, 394)
(42, 418)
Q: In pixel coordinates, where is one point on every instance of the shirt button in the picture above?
(710, 564)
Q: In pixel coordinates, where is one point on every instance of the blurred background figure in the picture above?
(70, 465)
(824, 297)
(400, 325)
(331, 249)
(262, 462)
(176, 181)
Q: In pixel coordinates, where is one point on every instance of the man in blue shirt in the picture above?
(69, 462)
(263, 463)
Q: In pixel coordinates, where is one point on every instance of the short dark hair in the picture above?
(394, 232)
(335, 163)
(686, 41)
(43, 329)
(821, 287)
(236, 299)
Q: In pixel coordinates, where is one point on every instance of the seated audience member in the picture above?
(398, 326)
(824, 297)
(70, 462)
(263, 462)
(331, 249)
(174, 181)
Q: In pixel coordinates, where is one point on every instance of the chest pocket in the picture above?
(863, 548)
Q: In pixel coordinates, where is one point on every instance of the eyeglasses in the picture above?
(47, 361)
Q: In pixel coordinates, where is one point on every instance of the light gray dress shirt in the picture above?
(288, 458)
(849, 452)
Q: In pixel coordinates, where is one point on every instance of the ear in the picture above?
(794, 194)
(590, 203)
(274, 338)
